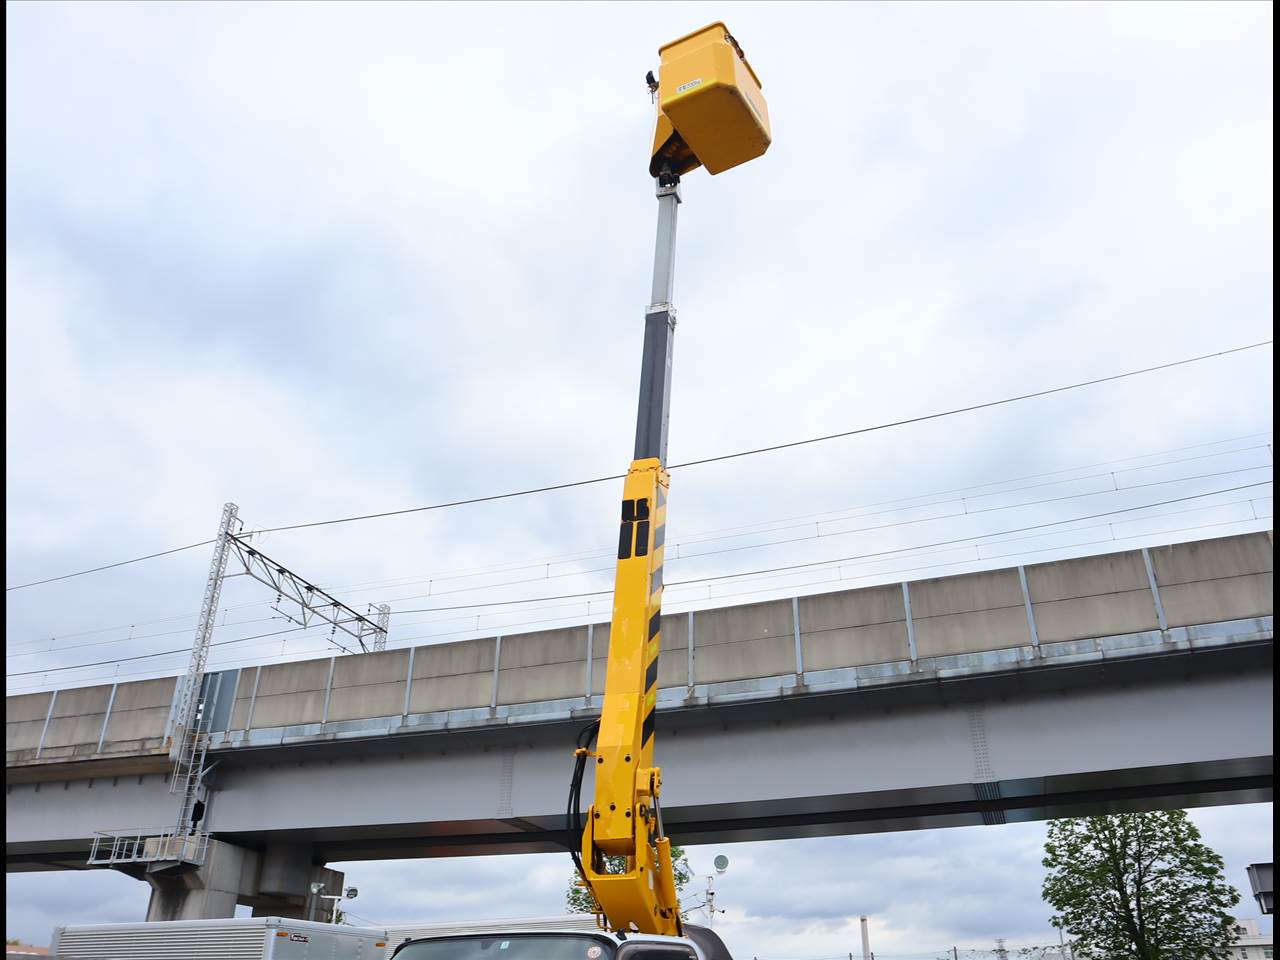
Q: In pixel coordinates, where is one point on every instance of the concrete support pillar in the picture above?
(274, 883)
(209, 892)
(306, 906)
(284, 884)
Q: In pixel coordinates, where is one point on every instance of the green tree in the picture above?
(579, 900)
(1138, 886)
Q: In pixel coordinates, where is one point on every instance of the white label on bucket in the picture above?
(688, 86)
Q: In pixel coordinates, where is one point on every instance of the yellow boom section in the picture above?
(710, 113)
(623, 820)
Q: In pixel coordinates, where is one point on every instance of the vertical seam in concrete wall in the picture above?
(1155, 589)
(795, 631)
(408, 683)
(690, 646)
(231, 710)
(1026, 602)
(328, 690)
(111, 702)
(497, 665)
(253, 699)
(911, 630)
(591, 639)
(48, 714)
(178, 684)
(211, 701)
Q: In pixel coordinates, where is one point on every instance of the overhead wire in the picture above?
(760, 527)
(676, 560)
(673, 585)
(679, 557)
(151, 656)
(717, 577)
(716, 459)
(789, 444)
(769, 526)
(773, 588)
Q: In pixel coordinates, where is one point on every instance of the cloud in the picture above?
(326, 263)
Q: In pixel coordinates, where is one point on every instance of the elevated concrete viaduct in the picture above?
(1125, 681)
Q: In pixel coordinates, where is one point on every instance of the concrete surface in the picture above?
(1202, 582)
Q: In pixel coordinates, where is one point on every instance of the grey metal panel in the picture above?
(659, 334)
(655, 386)
(223, 686)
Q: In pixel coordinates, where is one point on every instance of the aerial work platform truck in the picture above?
(710, 113)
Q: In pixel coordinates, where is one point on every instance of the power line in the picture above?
(768, 589)
(602, 592)
(788, 445)
(141, 636)
(972, 407)
(817, 535)
(728, 576)
(770, 526)
(691, 463)
(698, 580)
(110, 566)
(707, 536)
(162, 653)
(942, 543)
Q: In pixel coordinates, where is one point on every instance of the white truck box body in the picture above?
(244, 938)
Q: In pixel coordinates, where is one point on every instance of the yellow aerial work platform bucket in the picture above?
(710, 108)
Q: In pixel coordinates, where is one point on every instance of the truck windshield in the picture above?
(527, 946)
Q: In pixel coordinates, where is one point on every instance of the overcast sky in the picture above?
(330, 259)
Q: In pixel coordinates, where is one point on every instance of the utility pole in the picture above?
(866, 939)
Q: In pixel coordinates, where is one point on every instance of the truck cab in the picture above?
(699, 943)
